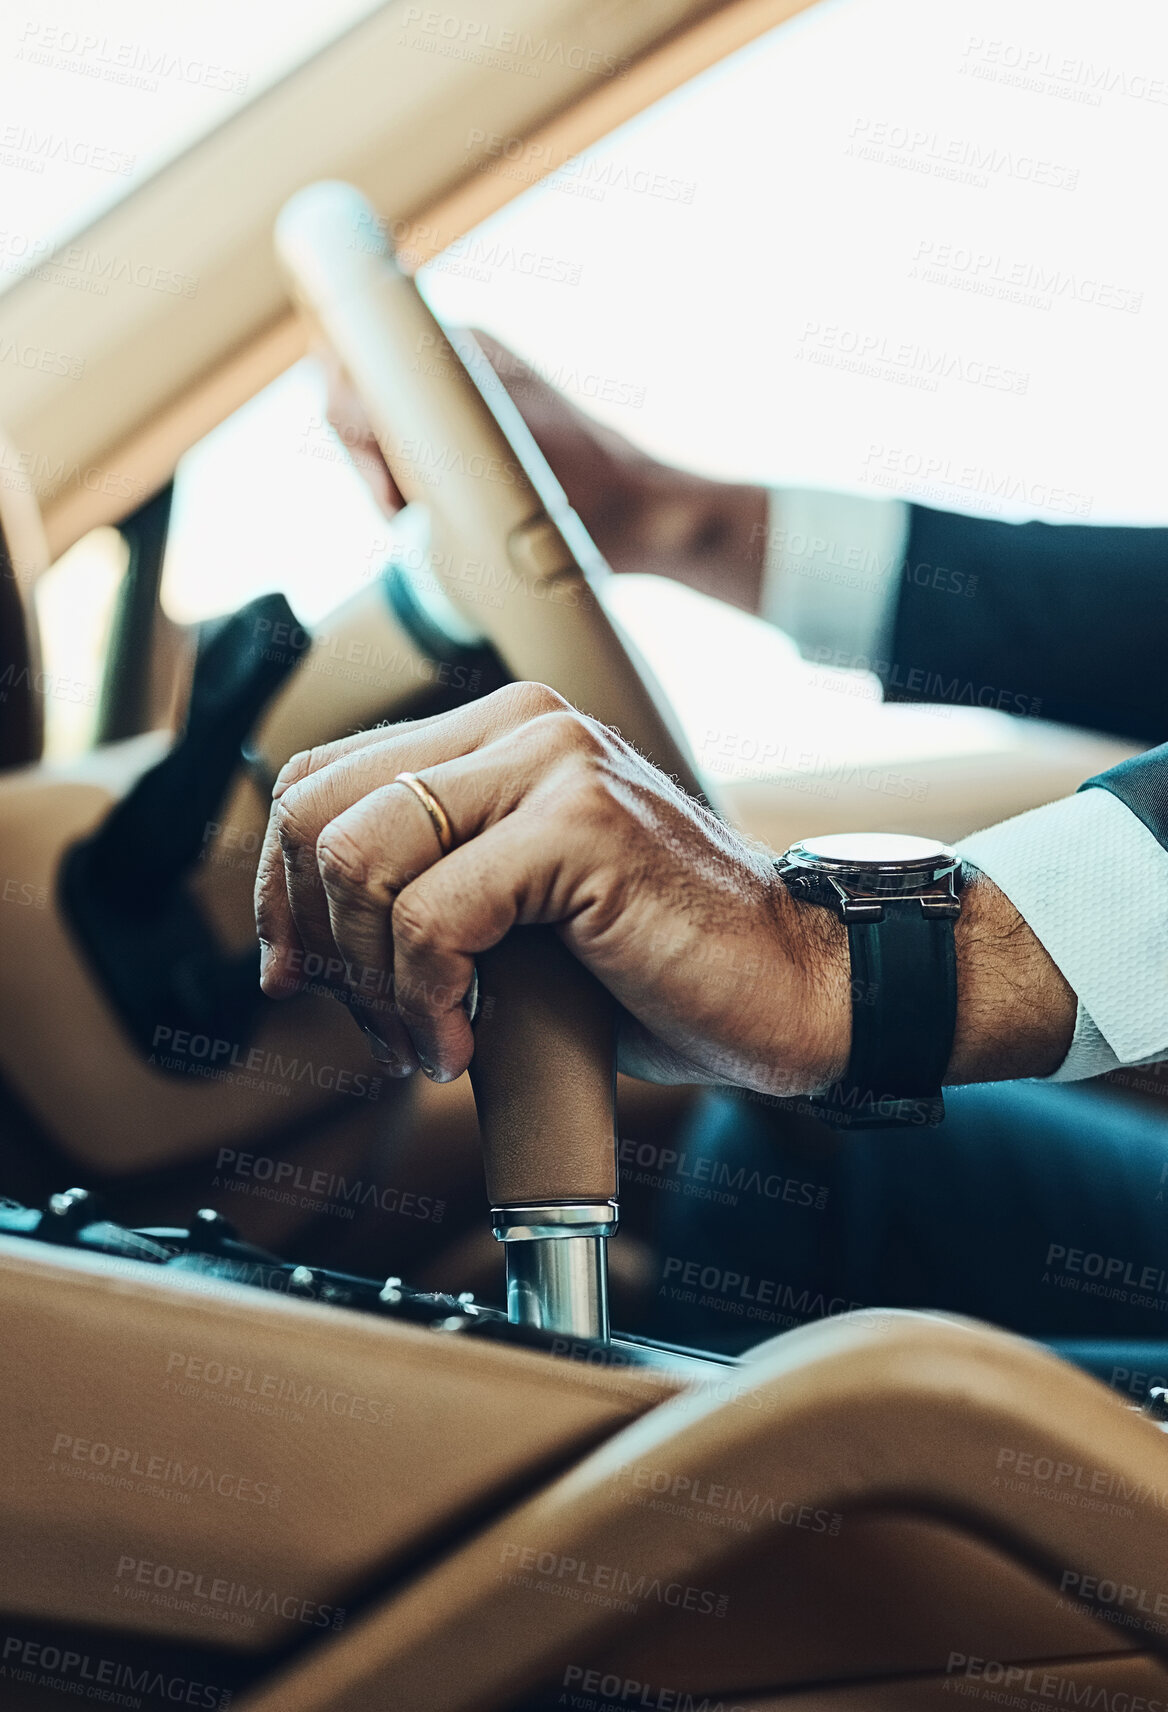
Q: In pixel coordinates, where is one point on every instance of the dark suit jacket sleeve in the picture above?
(1055, 621)
(1142, 784)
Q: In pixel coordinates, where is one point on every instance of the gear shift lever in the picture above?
(543, 1065)
(543, 1074)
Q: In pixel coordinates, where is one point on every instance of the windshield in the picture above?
(94, 101)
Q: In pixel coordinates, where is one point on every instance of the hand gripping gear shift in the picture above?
(454, 441)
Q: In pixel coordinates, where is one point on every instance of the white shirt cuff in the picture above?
(833, 571)
(1091, 882)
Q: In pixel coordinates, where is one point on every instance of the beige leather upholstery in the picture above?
(878, 1500)
(329, 1446)
(914, 1441)
(63, 1050)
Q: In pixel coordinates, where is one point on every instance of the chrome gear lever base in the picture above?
(557, 1265)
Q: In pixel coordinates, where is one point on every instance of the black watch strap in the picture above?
(904, 1011)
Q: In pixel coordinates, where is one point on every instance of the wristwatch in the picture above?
(898, 897)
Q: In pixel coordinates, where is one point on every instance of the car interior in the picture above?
(304, 1410)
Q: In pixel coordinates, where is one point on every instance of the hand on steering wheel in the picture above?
(554, 819)
(644, 515)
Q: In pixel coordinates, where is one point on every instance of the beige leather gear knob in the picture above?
(543, 1075)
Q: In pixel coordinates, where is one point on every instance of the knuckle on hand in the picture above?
(296, 768)
(413, 921)
(531, 699)
(340, 860)
(567, 730)
(293, 827)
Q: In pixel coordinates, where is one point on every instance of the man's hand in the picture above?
(555, 819)
(723, 976)
(643, 515)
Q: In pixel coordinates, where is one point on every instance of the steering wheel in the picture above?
(507, 551)
(543, 1069)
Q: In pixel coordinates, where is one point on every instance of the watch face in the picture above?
(853, 871)
(879, 850)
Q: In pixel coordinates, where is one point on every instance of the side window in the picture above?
(270, 500)
(75, 603)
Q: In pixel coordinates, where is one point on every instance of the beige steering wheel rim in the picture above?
(507, 552)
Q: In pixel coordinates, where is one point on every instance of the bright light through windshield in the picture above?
(94, 99)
